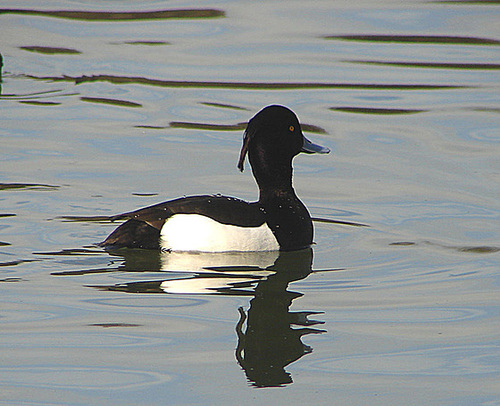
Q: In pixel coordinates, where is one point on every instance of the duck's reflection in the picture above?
(269, 334)
(269, 342)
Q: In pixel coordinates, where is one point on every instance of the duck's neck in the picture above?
(274, 178)
(273, 190)
(285, 214)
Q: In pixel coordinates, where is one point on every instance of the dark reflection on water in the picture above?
(478, 249)
(30, 186)
(9, 280)
(113, 102)
(114, 79)
(77, 252)
(231, 127)
(39, 103)
(206, 126)
(120, 15)
(433, 65)
(269, 334)
(417, 39)
(148, 43)
(36, 95)
(51, 50)
(371, 110)
(16, 262)
(224, 106)
(474, 2)
(108, 325)
(91, 219)
(471, 249)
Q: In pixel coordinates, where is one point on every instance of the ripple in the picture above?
(455, 361)
(77, 340)
(62, 377)
(22, 316)
(141, 303)
(412, 315)
(485, 134)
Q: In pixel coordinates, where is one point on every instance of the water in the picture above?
(104, 113)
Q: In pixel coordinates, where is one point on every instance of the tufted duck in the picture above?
(277, 221)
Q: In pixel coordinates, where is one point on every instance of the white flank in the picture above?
(194, 232)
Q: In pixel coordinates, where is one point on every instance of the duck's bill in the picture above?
(311, 148)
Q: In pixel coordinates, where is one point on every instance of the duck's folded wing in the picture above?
(133, 234)
(223, 209)
(142, 230)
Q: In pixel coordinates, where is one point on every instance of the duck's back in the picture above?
(174, 224)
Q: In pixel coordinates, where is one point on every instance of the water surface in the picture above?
(111, 107)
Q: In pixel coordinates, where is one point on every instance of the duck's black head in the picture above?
(272, 139)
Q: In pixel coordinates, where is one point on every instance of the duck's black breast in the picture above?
(289, 220)
(143, 227)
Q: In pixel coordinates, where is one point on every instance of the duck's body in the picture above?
(277, 221)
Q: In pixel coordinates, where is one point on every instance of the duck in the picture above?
(277, 221)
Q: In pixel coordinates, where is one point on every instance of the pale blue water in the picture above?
(101, 115)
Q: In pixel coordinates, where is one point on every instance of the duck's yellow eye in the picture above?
(291, 128)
